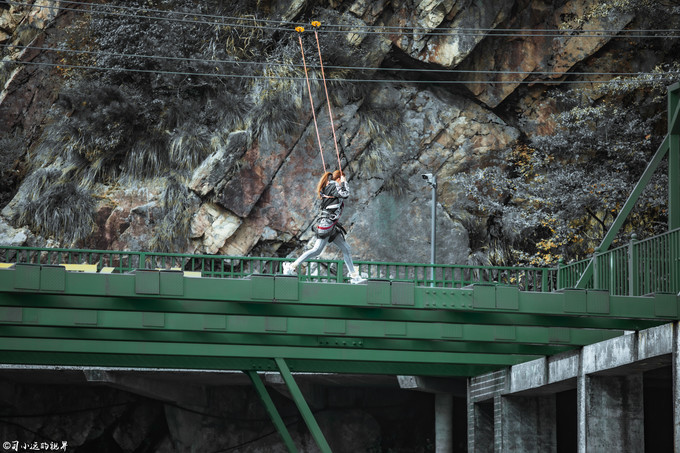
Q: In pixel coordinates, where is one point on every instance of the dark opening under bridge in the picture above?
(152, 310)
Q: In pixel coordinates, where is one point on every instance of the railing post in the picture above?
(560, 271)
(596, 269)
(544, 280)
(612, 274)
(340, 271)
(633, 281)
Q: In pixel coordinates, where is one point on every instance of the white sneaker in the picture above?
(288, 268)
(357, 279)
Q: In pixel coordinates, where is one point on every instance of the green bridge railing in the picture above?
(638, 268)
(641, 267)
(447, 276)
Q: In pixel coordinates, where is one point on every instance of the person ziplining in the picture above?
(332, 189)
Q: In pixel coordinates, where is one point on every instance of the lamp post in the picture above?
(432, 182)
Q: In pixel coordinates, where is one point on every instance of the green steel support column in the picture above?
(674, 158)
(271, 410)
(302, 406)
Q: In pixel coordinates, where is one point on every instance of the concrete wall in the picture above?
(589, 400)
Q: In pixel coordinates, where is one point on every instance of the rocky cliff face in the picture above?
(250, 191)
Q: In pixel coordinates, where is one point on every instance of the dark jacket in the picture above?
(332, 204)
(332, 197)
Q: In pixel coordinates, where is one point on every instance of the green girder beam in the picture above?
(303, 407)
(468, 315)
(151, 347)
(236, 363)
(272, 411)
(555, 341)
(501, 305)
(269, 330)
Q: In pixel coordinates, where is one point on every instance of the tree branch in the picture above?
(600, 221)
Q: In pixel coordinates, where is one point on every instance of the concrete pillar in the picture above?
(581, 397)
(470, 411)
(481, 427)
(611, 413)
(443, 419)
(529, 424)
(675, 358)
(484, 404)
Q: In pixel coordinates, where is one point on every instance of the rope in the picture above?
(316, 25)
(311, 102)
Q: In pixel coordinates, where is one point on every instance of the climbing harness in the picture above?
(316, 24)
(325, 227)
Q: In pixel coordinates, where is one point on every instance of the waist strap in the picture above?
(326, 227)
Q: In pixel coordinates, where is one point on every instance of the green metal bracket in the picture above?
(271, 410)
(302, 406)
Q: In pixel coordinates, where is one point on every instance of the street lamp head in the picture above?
(430, 178)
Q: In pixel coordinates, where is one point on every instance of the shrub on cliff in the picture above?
(11, 147)
(173, 230)
(556, 195)
(64, 212)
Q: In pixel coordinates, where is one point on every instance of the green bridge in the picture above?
(102, 308)
(141, 310)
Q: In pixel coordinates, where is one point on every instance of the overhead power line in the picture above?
(353, 68)
(658, 77)
(284, 26)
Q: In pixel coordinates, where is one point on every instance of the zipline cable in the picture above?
(100, 53)
(651, 77)
(316, 25)
(300, 30)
